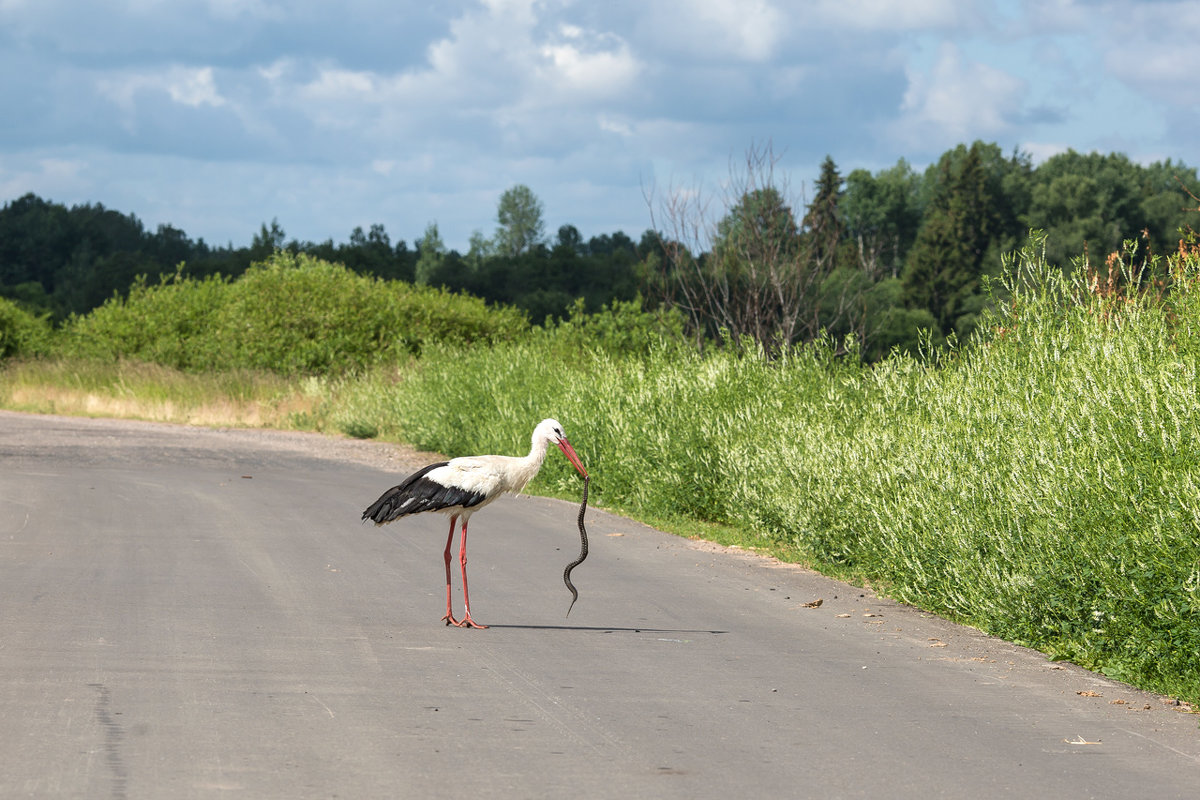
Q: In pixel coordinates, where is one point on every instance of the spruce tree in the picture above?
(822, 223)
(943, 269)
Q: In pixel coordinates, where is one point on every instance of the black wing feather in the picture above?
(417, 493)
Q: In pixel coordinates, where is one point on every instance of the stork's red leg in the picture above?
(466, 621)
(449, 618)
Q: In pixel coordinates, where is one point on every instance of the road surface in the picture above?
(190, 613)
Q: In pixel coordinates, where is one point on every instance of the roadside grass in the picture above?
(137, 390)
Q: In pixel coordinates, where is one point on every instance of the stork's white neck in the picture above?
(527, 468)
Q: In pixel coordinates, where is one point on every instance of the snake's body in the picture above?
(583, 549)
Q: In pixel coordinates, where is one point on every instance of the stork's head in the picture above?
(551, 431)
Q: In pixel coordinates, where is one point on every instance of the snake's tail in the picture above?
(571, 586)
(567, 579)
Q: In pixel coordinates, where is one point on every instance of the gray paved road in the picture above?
(194, 613)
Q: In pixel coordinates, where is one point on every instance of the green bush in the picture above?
(172, 323)
(292, 314)
(22, 333)
(625, 328)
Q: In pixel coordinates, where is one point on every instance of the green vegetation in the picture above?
(885, 256)
(21, 332)
(876, 390)
(878, 255)
(1041, 483)
(290, 314)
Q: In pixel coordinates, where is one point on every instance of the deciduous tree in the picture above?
(519, 213)
(432, 251)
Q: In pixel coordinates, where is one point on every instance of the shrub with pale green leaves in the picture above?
(292, 314)
(21, 332)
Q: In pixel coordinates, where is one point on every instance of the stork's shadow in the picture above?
(601, 629)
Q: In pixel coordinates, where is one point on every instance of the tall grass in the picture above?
(1041, 483)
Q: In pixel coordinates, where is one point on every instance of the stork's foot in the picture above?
(467, 622)
(450, 620)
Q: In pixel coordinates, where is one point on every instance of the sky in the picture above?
(217, 116)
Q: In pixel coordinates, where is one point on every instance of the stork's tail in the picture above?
(386, 508)
(414, 494)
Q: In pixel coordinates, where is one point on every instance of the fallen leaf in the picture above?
(1079, 740)
(1117, 702)
(616, 534)
(1089, 694)
(938, 644)
(842, 616)
(814, 604)
(869, 614)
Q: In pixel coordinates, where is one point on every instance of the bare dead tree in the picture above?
(751, 271)
(685, 238)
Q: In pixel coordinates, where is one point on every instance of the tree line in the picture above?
(895, 255)
(61, 261)
(880, 255)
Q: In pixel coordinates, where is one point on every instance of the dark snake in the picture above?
(583, 548)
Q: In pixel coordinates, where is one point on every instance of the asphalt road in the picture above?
(196, 613)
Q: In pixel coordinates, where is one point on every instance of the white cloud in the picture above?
(614, 125)
(958, 100)
(744, 30)
(193, 87)
(189, 86)
(1058, 16)
(1040, 151)
(254, 9)
(402, 112)
(1152, 49)
(499, 75)
(752, 30)
(1166, 72)
(894, 15)
(44, 175)
(384, 166)
(582, 75)
(337, 85)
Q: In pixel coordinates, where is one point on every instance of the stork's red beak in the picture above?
(569, 452)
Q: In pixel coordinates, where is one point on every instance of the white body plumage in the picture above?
(461, 486)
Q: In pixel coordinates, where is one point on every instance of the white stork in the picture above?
(460, 487)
